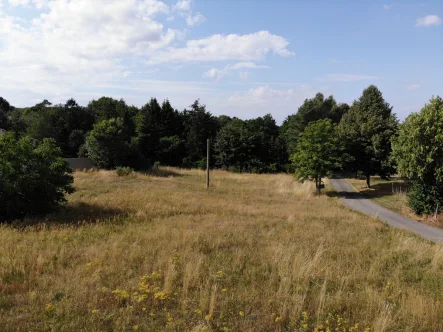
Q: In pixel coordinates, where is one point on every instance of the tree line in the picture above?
(323, 136)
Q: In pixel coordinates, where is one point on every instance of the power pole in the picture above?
(207, 162)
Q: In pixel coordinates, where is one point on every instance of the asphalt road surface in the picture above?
(355, 201)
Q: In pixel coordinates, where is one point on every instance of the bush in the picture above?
(106, 144)
(34, 178)
(123, 171)
(423, 199)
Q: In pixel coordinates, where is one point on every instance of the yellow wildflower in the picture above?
(49, 307)
(161, 295)
(242, 314)
(135, 327)
(95, 311)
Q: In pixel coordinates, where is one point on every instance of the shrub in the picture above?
(423, 198)
(106, 144)
(123, 171)
(34, 178)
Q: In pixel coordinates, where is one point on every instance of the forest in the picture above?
(321, 137)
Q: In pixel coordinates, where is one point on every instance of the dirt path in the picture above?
(355, 201)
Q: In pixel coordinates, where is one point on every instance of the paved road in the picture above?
(355, 201)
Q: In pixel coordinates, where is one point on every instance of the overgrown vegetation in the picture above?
(34, 178)
(252, 254)
(418, 150)
(360, 139)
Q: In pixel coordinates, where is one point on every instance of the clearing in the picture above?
(253, 253)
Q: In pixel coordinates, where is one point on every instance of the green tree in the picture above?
(366, 130)
(34, 178)
(107, 144)
(232, 146)
(199, 125)
(318, 151)
(5, 109)
(418, 153)
(312, 110)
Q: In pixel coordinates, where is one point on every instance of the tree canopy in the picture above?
(34, 178)
(366, 130)
(418, 153)
(318, 151)
(312, 110)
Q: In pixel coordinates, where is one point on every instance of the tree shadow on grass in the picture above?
(162, 173)
(73, 215)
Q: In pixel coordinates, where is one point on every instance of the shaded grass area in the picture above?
(253, 253)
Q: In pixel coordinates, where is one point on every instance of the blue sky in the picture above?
(241, 58)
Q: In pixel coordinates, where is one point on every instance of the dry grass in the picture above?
(254, 253)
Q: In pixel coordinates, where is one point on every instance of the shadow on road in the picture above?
(344, 194)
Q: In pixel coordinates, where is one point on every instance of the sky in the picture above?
(243, 58)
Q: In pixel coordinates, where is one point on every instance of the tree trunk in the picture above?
(368, 180)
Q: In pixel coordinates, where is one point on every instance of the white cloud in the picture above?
(183, 5)
(428, 21)
(77, 41)
(260, 95)
(265, 99)
(243, 75)
(227, 70)
(348, 78)
(387, 7)
(412, 87)
(254, 46)
(211, 73)
(195, 20)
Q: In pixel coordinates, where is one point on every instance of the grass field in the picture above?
(253, 253)
(392, 195)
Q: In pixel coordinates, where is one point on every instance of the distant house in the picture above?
(2, 131)
(78, 164)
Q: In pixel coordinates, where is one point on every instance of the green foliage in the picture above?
(123, 171)
(366, 130)
(318, 151)
(106, 144)
(5, 109)
(249, 146)
(33, 178)
(424, 198)
(199, 126)
(418, 153)
(418, 149)
(312, 110)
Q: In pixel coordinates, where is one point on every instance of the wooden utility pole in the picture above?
(207, 162)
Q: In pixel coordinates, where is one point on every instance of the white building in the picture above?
(2, 131)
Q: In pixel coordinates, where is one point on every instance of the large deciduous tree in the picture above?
(366, 130)
(34, 178)
(313, 109)
(418, 152)
(318, 151)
